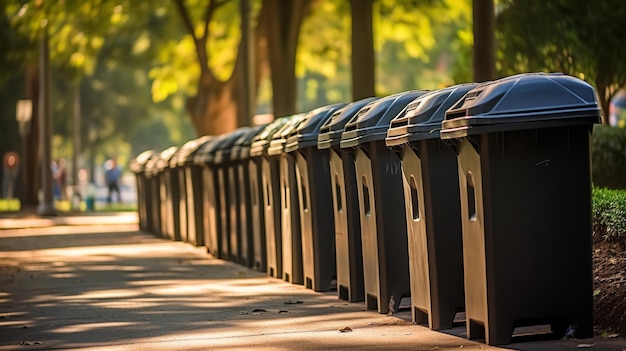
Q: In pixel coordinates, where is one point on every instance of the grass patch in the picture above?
(609, 216)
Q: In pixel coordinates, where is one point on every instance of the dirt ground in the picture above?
(609, 279)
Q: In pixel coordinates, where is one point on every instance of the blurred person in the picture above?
(112, 177)
(60, 178)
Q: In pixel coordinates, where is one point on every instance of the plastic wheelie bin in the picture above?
(166, 194)
(315, 201)
(381, 202)
(264, 175)
(211, 223)
(290, 214)
(522, 145)
(152, 187)
(226, 181)
(243, 207)
(349, 251)
(190, 178)
(138, 166)
(433, 208)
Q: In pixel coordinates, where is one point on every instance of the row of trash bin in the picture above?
(474, 198)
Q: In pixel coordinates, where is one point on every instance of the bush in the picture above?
(608, 157)
(609, 216)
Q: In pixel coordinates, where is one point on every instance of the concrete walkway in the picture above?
(110, 287)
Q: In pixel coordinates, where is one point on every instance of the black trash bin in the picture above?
(153, 207)
(433, 208)
(190, 179)
(205, 158)
(166, 194)
(381, 202)
(265, 176)
(138, 166)
(227, 182)
(349, 251)
(524, 173)
(290, 214)
(243, 206)
(315, 200)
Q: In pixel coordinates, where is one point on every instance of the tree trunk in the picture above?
(32, 169)
(484, 41)
(363, 71)
(283, 22)
(213, 109)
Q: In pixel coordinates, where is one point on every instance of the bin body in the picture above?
(292, 270)
(211, 222)
(154, 206)
(243, 206)
(190, 178)
(381, 202)
(314, 200)
(138, 166)
(269, 211)
(227, 182)
(345, 200)
(431, 190)
(257, 218)
(166, 194)
(525, 189)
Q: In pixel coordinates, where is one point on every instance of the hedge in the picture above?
(609, 216)
(608, 157)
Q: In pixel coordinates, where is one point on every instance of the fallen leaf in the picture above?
(345, 330)
(291, 302)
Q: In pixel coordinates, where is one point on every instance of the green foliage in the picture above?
(608, 157)
(577, 37)
(609, 215)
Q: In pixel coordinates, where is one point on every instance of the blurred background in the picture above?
(85, 82)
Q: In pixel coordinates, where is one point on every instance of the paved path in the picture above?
(111, 287)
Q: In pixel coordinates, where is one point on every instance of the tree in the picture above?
(576, 37)
(363, 64)
(484, 52)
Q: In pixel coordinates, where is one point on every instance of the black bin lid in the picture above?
(206, 153)
(306, 133)
(163, 161)
(525, 101)
(262, 140)
(223, 153)
(279, 139)
(422, 117)
(185, 152)
(372, 121)
(138, 164)
(241, 147)
(330, 132)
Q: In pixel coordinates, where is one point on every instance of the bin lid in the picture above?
(306, 133)
(185, 152)
(241, 147)
(138, 164)
(372, 120)
(524, 101)
(330, 132)
(164, 158)
(223, 153)
(206, 153)
(422, 117)
(279, 139)
(262, 140)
